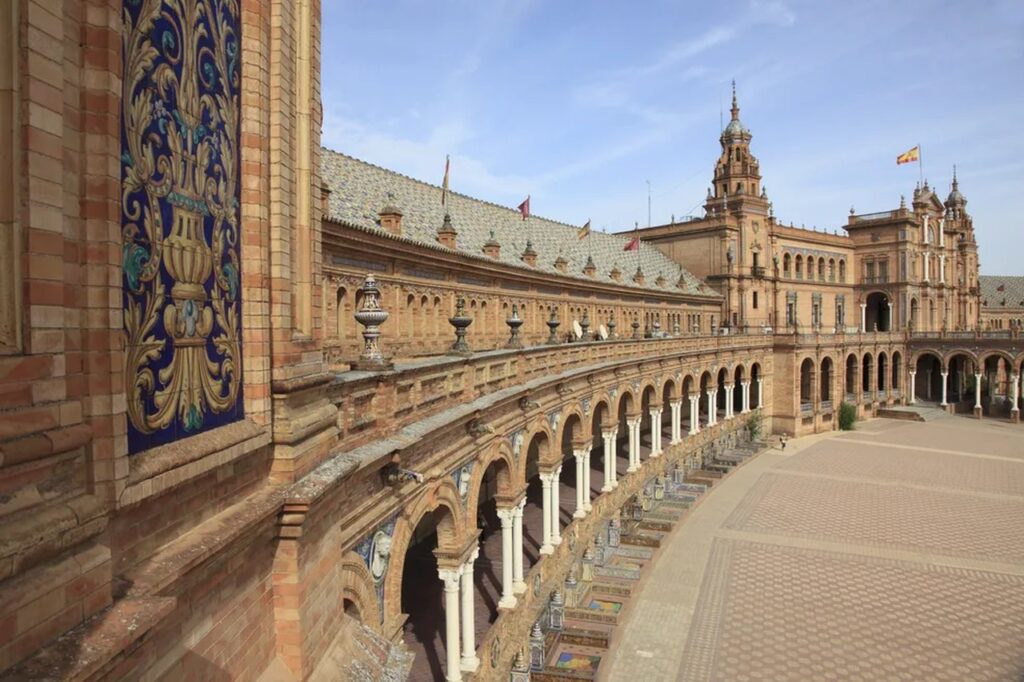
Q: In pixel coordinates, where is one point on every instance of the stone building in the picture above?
(910, 268)
(270, 412)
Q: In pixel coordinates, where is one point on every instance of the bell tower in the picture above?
(737, 179)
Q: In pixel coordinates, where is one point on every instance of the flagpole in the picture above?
(920, 164)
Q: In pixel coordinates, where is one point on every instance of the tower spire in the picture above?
(735, 106)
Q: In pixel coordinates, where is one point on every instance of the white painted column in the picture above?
(1015, 393)
(942, 231)
(712, 406)
(586, 480)
(729, 391)
(746, 396)
(863, 317)
(977, 391)
(634, 444)
(507, 517)
(927, 262)
(609, 459)
(892, 321)
(451, 578)
(760, 389)
(556, 507)
(944, 382)
(655, 432)
(545, 482)
(469, 660)
(913, 386)
(942, 268)
(518, 584)
(694, 414)
(581, 488)
(677, 421)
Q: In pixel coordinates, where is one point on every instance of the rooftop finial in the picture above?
(954, 176)
(735, 106)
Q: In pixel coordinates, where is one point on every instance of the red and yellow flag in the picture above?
(584, 231)
(909, 156)
(444, 183)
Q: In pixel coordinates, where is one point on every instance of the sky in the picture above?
(582, 104)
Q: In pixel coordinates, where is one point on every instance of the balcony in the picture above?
(758, 271)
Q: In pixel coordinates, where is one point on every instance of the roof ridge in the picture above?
(459, 194)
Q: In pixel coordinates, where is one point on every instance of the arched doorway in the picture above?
(867, 369)
(878, 313)
(723, 378)
(826, 383)
(927, 385)
(737, 391)
(755, 386)
(897, 370)
(806, 388)
(704, 409)
(883, 375)
(851, 378)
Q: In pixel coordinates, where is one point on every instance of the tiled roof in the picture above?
(359, 190)
(992, 297)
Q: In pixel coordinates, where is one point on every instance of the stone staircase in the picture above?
(917, 413)
(594, 605)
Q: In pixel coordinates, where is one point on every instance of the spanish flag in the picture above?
(444, 183)
(584, 231)
(912, 154)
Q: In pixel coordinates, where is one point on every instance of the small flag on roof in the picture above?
(444, 183)
(524, 208)
(584, 231)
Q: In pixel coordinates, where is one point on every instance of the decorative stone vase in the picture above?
(614, 532)
(676, 330)
(585, 326)
(553, 325)
(371, 316)
(659, 488)
(587, 570)
(514, 322)
(656, 333)
(636, 328)
(611, 327)
(520, 669)
(460, 320)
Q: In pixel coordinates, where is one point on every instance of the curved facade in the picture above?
(219, 458)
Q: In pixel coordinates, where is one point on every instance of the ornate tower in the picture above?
(737, 180)
(959, 233)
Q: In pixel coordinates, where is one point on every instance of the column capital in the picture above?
(474, 554)
(450, 577)
(610, 433)
(506, 515)
(521, 506)
(547, 478)
(580, 454)
(633, 423)
(676, 403)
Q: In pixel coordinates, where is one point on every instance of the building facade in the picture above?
(265, 409)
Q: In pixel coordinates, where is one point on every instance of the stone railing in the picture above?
(373, 403)
(880, 215)
(967, 335)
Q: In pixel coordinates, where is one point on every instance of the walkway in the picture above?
(893, 552)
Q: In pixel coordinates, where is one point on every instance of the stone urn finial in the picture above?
(371, 316)
(611, 326)
(553, 324)
(460, 320)
(585, 326)
(636, 327)
(514, 322)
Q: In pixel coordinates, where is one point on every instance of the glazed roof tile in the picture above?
(1013, 291)
(359, 190)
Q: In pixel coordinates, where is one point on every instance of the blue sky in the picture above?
(579, 104)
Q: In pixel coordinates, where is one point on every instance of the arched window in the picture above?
(785, 265)
(799, 267)
(821, 269)
(341, 312)
(831, 269)
(842, 270)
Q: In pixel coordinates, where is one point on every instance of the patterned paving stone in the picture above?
(867, 513)
(913, 467)
(782, 613)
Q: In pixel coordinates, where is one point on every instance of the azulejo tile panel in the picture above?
(180, 218)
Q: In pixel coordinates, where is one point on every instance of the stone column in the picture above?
(694, 414)
(760, 389)
(677, 421)
(556, 507)
(729, 388)
(609, 459)
(581, 487)
(712, 406)
(507, 517)
(746, 396)
(469, 660)
(655, 431)
(586, 480)
(545, 482)
(518, 584)
(942, 268)
(634, 444)
(891, 321)
(1015, 397)
(977, 395)
(863, 317)
(451, 578)
(913, 386)
(944, 382)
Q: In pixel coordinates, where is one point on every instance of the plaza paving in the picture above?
(895, 552)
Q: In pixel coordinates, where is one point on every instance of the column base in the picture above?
(555, 542)
(977, 412)
(518, 587)
(693, 432)
(469, 665)
(508, 602)
(546, 549)
(607, 488)
(1015, 415)
(655, 455)
(579, 513)
(588, 507)
(615, 484)
(631, 468)
(676, 441)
